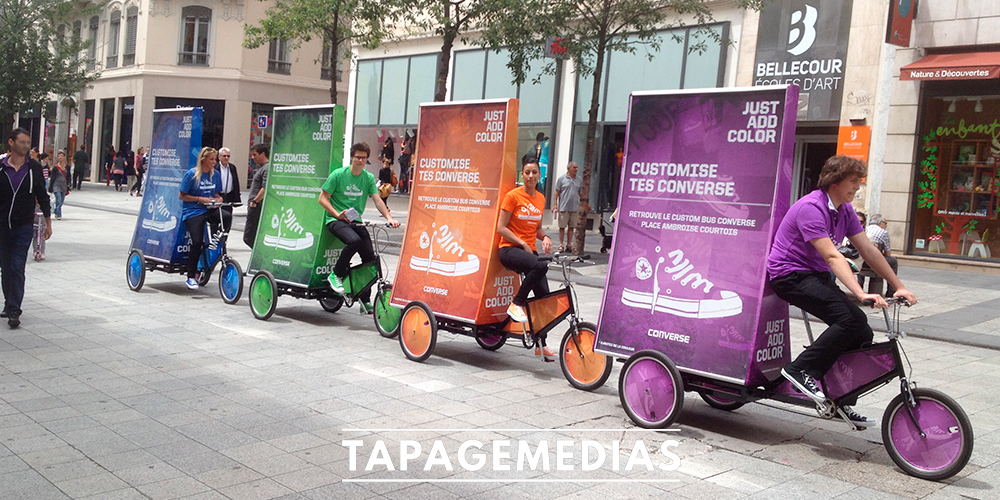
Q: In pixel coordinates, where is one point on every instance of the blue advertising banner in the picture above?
(159, 233)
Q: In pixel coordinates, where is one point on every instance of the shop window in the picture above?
(77, 33)
(114, 35)
(194, 38)
(958, 180)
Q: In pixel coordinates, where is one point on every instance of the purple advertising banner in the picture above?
(705, 181)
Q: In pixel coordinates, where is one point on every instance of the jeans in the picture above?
(196, 226)
(356, 241)
(894, 264)
(521, 261)
(137, 187)
(14, 244)
(60, 198)
(817, 294)
(250, 230)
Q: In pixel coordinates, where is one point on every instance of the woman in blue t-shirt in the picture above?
(199, 186)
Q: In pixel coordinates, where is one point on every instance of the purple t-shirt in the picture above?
(813, 216)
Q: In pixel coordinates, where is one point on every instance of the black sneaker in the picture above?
(805, 384)
(14, 320)
(3, 314)
(857, 418)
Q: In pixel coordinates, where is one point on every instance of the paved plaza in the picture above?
(169, 393)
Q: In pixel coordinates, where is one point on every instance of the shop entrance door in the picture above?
(609, 169)
(810, 155)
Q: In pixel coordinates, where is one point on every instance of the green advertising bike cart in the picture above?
(293, 252)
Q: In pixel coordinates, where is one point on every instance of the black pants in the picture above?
(521, 261)
(817, 293)
(894, 264)
(14, 244)
(356, 241)
(196, 226)
(250, 230)
(137, 187)
(78, 174)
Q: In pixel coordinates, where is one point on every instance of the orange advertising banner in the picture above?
(464, 165)
(853, 142)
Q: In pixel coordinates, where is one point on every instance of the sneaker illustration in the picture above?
(804, 383)
(160, 219)
(852, 416)
(448, 244)
(336, 283)
(192, 283)
(692, 297)
(516, 313)
(291, 235)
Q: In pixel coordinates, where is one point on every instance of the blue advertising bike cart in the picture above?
(161, 241)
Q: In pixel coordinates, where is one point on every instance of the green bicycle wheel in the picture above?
(263, 295)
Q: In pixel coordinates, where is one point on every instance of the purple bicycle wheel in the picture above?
(651, 390)
(946, 445)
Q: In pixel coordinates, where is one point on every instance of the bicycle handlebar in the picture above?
(372, 224)
(891, 300)
(214, 204)
(559, 257)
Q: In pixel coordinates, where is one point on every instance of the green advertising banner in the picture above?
(292, 243)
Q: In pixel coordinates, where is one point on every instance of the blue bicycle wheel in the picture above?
(135, 270)
(231, 281)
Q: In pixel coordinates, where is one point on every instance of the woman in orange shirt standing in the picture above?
(519, 228)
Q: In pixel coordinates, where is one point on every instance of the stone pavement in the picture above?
(170, 393)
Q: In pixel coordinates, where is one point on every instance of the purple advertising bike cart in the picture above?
(706, 179)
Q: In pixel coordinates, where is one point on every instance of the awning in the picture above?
(966, 66)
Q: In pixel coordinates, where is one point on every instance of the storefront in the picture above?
(957, 178)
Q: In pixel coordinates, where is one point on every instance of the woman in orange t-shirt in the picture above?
(519, 227)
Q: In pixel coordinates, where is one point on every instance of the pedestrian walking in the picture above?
(118, 169)
(385, 177)
(140, 172)
(18, 196)
(259, 155)
(129, 169)
(38, 235)
(45, 161)
(230, 182)
(405, 159)
(566, 205)
(58, 184)
(109, 162)
(388, 151)
(81, 166)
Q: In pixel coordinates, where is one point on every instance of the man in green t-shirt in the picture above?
(344, 196)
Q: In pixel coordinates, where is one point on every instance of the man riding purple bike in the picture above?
(804, 254)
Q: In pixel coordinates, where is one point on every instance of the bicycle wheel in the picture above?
(946, 445)
(492, 341)
(263, 295)
(584, 369)
(331, 304)
(417, 331)
(386, 316)
(135, 270)
(231, 281)
(720, 403)
(651, 390)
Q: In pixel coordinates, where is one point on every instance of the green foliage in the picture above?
(929, 166)
(36, 61)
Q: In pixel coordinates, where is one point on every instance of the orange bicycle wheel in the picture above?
(583, 368)
(417, 331)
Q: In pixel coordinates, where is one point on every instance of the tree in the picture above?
(38, 59)
(588, 30)
(339, 22)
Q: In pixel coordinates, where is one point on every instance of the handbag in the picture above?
(393, 181)
(384, 190)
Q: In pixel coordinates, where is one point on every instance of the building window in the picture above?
(92, 37)
(328, 55)
(77, 33)
(114, 35)
(279, 57)
(194, 42)
(131, 25)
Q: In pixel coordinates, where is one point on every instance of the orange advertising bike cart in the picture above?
(449, 277)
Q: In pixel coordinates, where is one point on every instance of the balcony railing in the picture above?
(112, 61)
(193, 59)
(280, 67)
(325, 74)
